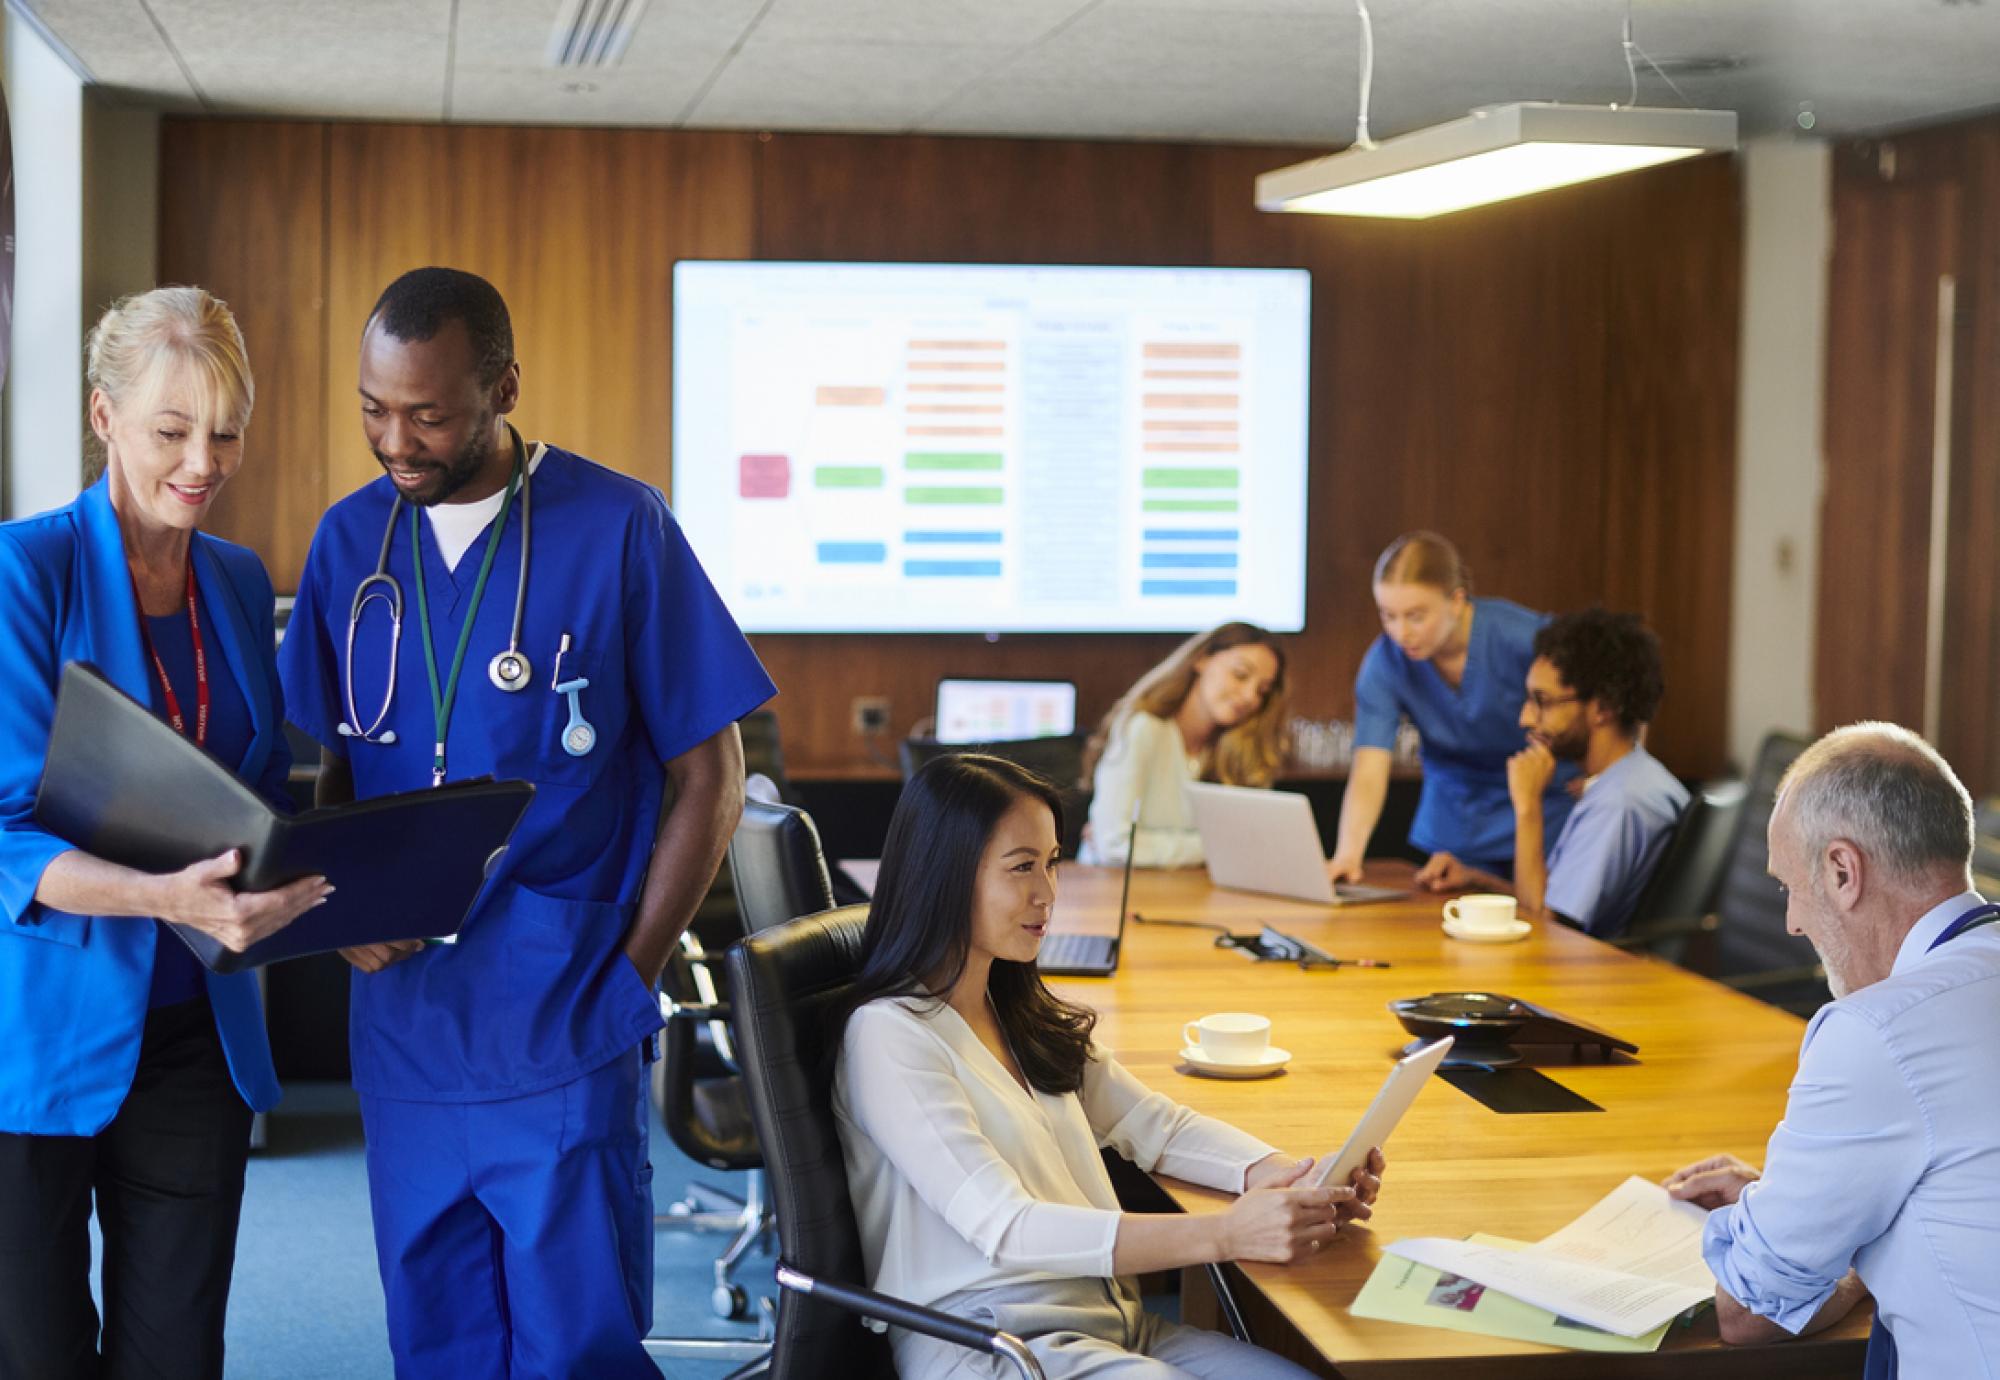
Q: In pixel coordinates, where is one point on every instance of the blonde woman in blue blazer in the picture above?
(128, 1073)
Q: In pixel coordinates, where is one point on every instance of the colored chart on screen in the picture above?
(993, 448)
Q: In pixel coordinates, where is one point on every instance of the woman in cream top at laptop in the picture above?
(971, 1104)
(1213, 711)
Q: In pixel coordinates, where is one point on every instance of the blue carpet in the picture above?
(307, 1304)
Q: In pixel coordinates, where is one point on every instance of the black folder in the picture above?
(122, 784)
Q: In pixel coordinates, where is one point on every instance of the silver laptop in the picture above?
(1266, 841)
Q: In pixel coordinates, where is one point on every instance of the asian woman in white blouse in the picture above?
(1213, 711)
(972, 1104)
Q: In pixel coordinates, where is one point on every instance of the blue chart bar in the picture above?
(987, 568)
(853, 552)
(1191, 534)
(1182, 587)
(952, 538)
(1188, 560)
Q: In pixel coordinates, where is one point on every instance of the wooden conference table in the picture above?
(1710, 1076)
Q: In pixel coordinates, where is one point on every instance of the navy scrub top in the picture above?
(1468, 734)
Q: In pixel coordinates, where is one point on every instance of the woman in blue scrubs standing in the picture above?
(1456, 667)
(128, 1073)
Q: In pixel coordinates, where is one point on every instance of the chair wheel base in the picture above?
(729, 1302)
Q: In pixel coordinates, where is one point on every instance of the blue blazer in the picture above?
(74, 988)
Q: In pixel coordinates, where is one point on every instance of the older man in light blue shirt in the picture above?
(1885, 1172)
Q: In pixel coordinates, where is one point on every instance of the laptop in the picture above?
(1092, 955)
(1266, 841)
(999, 710)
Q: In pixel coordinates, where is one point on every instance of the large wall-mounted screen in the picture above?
(993, 448)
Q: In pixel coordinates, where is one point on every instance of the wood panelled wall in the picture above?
(1908, 211)
(1551, 382)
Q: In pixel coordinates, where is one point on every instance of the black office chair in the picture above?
(717, 922)
(1753, 953)
(1674, 917)
(1986, 846)
(779, 873)
(784, 980)
(1059, 758)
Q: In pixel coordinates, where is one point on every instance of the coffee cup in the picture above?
(1229, 1037)
(1485, 913)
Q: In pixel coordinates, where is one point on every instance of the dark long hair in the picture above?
(919, 933)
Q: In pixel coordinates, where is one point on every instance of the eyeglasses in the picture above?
(1544, 703)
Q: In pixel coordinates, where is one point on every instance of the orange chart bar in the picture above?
(1221, 374)
(1191, 400)
(953, 431)
(958, 344)
(1193, 447)
(967, 387)
(990, 408)
(1155, 424)
(987, 366)
(1193, 349)
(843, 395)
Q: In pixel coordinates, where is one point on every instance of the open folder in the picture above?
(122, 784)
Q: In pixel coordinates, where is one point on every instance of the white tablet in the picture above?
(1399, 1090)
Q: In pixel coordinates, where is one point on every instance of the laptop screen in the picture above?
(1000, 711)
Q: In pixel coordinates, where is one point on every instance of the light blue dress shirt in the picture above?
(1612, 841)
(1888, 1161)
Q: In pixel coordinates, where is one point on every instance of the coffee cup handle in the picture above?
(1191, 1035)
(1451, 911)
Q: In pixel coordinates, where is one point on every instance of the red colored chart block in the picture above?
(764, 476)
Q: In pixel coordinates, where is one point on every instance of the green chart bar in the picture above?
(1191, 479)
(1190, 505)
(848, 476)
(952, 460)
(984, 498)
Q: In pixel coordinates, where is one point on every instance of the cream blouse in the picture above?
(961, 1178)
(1145, 761)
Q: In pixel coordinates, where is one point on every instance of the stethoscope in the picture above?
(509, 670)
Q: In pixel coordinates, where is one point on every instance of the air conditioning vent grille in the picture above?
(592, 34)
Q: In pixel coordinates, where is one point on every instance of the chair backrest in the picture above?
(1689, 874)
(1060, 759)
(779, 869)
(784, 981)
(763, 754)
(1749, 903)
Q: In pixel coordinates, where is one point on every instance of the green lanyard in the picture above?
(441, 702)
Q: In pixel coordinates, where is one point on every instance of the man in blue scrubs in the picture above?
(501, 1076)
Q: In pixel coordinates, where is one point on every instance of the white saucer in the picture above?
(1504, 934)
(1269, 1062)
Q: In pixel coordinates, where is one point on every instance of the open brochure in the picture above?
(1628, 1265)
(1403, 1291)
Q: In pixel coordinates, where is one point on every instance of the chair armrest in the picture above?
(916, 1318)
(1776, 977)
(696, 1012)
(1653, 931)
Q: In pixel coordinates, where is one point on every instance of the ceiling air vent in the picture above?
(593, 33)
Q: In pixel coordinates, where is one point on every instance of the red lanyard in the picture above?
(200, 671)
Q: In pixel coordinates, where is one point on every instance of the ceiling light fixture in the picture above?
(1494, 154)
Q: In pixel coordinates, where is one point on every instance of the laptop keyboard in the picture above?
(1074, 951)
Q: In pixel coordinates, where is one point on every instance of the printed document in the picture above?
(1628, 1265)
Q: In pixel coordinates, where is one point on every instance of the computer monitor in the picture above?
(999, 711)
